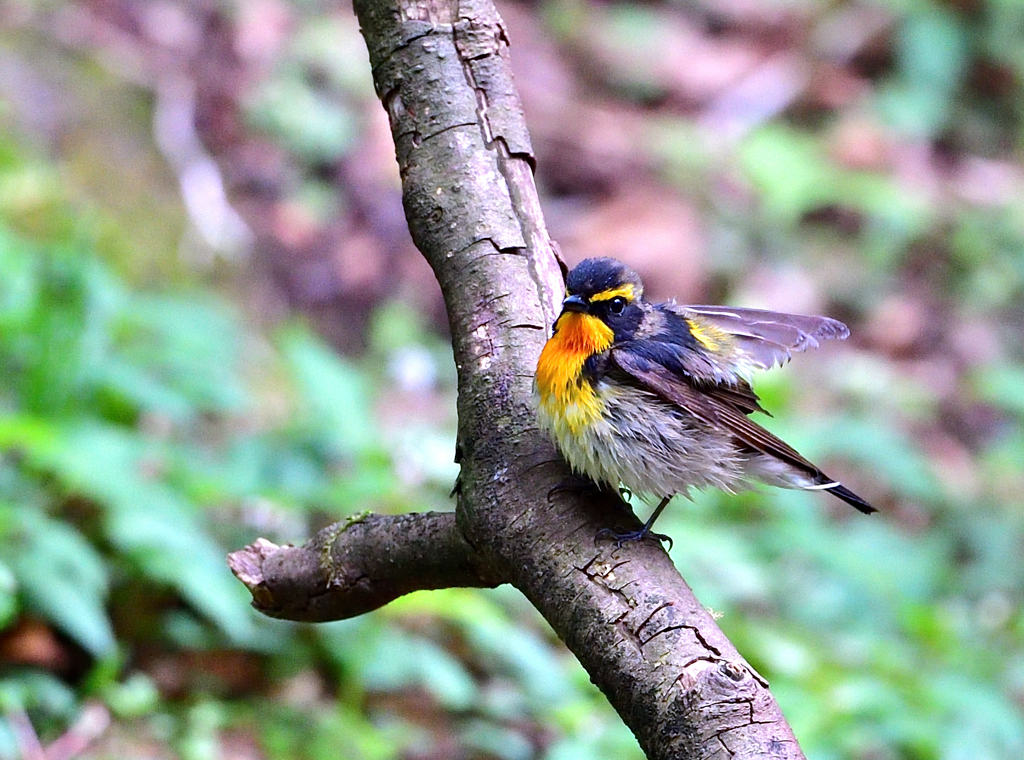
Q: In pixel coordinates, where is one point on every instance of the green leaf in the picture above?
(386, 658)
(36, 690)
(31, 435)
(395, 325)
(1001, 385)
(138, 695)
(795, 176)
(790, 170)
(9, 606)
(315, 124)
(175, 355)
(932, 49)
(140, 389)
(334, 396)
(61, 577)
(879, 448)
(491, 740)
(150, 522)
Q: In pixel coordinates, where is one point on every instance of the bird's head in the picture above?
(607, 295)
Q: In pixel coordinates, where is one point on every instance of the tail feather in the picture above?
(850, 498)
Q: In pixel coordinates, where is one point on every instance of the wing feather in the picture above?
(714, 405)
(761, 339)
(682, 375)
(677, 356)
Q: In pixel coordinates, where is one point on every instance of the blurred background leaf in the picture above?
(214, 326)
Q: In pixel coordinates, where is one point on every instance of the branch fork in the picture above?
(441, 68)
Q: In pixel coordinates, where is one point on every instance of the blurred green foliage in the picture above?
(134, 453)
(144, 434)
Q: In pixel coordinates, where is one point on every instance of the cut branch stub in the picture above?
(355, 566)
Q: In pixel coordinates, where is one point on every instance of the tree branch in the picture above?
(441, 70)
(356, 566)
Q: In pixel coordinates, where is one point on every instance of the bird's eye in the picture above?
(616, 305)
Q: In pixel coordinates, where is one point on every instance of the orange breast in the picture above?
(563, 393)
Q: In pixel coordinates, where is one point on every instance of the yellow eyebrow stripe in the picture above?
(625, 291)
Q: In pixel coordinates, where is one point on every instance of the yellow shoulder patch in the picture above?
(712, 338)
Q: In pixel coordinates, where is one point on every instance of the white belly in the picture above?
(645, 444)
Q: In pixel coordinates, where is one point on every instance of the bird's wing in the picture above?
(724, 407)
(744, 340)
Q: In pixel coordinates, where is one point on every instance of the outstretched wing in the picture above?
(744, 340)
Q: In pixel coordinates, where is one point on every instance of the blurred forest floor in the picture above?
(214, 326)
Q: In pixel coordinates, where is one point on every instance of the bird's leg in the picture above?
(654, 516)
(644, 532)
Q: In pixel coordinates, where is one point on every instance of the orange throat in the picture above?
(559, 370)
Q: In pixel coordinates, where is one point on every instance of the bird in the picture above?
(656, 398)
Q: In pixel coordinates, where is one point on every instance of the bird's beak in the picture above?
(574, 303)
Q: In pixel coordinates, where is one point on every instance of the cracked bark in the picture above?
(441, 70)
